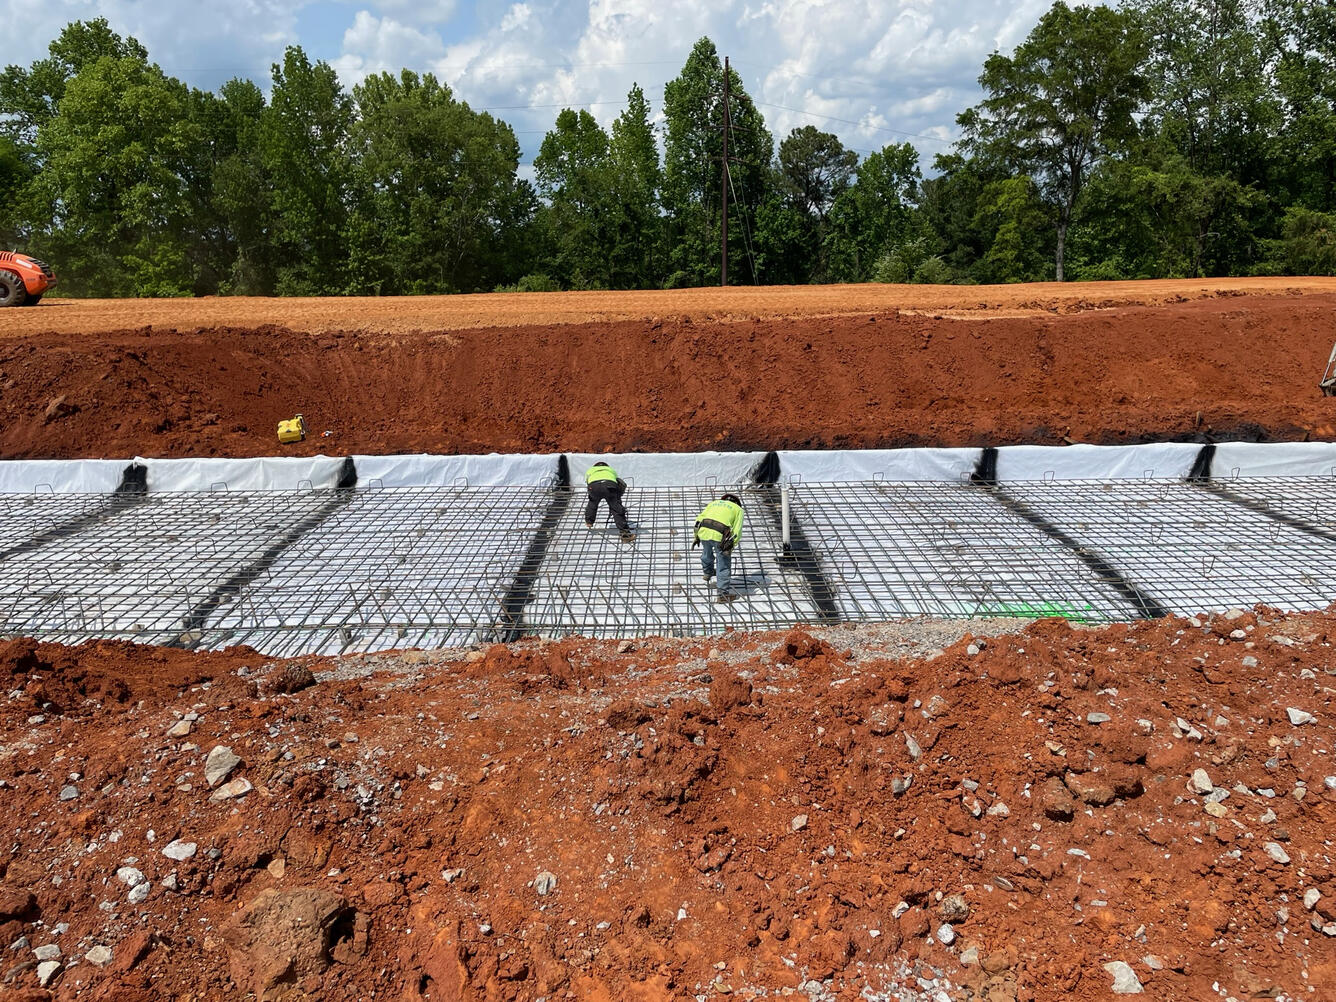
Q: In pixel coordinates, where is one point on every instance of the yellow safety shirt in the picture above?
(721, 521)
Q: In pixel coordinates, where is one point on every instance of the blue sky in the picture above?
(871, 71)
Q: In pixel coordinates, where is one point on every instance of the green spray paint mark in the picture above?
(1040, 610)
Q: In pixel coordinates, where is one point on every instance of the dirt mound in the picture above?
(77, 682)
(1011, 817)
(1227, 367)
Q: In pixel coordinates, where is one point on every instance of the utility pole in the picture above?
(723, 253)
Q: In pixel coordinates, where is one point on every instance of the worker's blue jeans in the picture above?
(714, 559)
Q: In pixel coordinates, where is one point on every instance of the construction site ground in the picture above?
(818, 367)
(923, 810)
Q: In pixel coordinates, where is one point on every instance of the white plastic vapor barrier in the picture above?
(264, 474)
(61, 476)
(836, 466)
(423, 470)
(1280, 459)
(707, 469)
(1095, 462)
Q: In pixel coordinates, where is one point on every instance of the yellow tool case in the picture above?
(292, 430)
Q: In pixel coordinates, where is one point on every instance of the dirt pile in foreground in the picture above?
(1237, 367)
(751, 815)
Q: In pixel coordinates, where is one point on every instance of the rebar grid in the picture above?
(324, 571)
(593, 584)
(1192, 547)
(25, 518)
(896, 549)
(398, 567)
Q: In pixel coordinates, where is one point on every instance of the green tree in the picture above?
(814, 170)
(1060, 104)
(785, 239)
(1156, 217)
(240, 192)
(303, 140)
(1302, 34)
(574, 176)
(1011, 213)
(693, 151)
(1307, 244)
(873, 213)
(1209, 96)
(111, 180)
(438, 205)
(949, 217)
(15, 173)
(636, 178)
(30, 98)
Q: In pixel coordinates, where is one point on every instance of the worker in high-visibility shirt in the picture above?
(718, 531)
(605, 486)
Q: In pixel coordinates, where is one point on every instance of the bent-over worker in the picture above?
(605, 486)
(718, 531)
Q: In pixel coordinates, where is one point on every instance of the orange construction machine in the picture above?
(23, 279)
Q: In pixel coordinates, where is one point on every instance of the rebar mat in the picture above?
(326, 571)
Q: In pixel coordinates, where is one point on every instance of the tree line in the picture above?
(1161, 138)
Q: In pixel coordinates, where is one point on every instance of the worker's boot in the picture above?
(726, 597)
(628, 536)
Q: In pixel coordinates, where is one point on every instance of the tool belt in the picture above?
(709, 523)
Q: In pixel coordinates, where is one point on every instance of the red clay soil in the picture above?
(1228, 366)
(680, 819)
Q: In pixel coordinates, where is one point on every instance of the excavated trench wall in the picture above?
(340, 554)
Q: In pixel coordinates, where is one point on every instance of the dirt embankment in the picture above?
(1226, 367)
(751, 816)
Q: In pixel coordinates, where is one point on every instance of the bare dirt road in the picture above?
(395, 315)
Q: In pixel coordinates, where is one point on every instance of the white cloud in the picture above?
(871, 71)
(383, 45)
(517, 17)
(202, 43)
(417, 11)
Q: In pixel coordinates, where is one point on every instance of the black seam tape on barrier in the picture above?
(985, 477)
(1201, 466)
(508, 626)
(800, 552)
(129, 492)
(192, 632)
